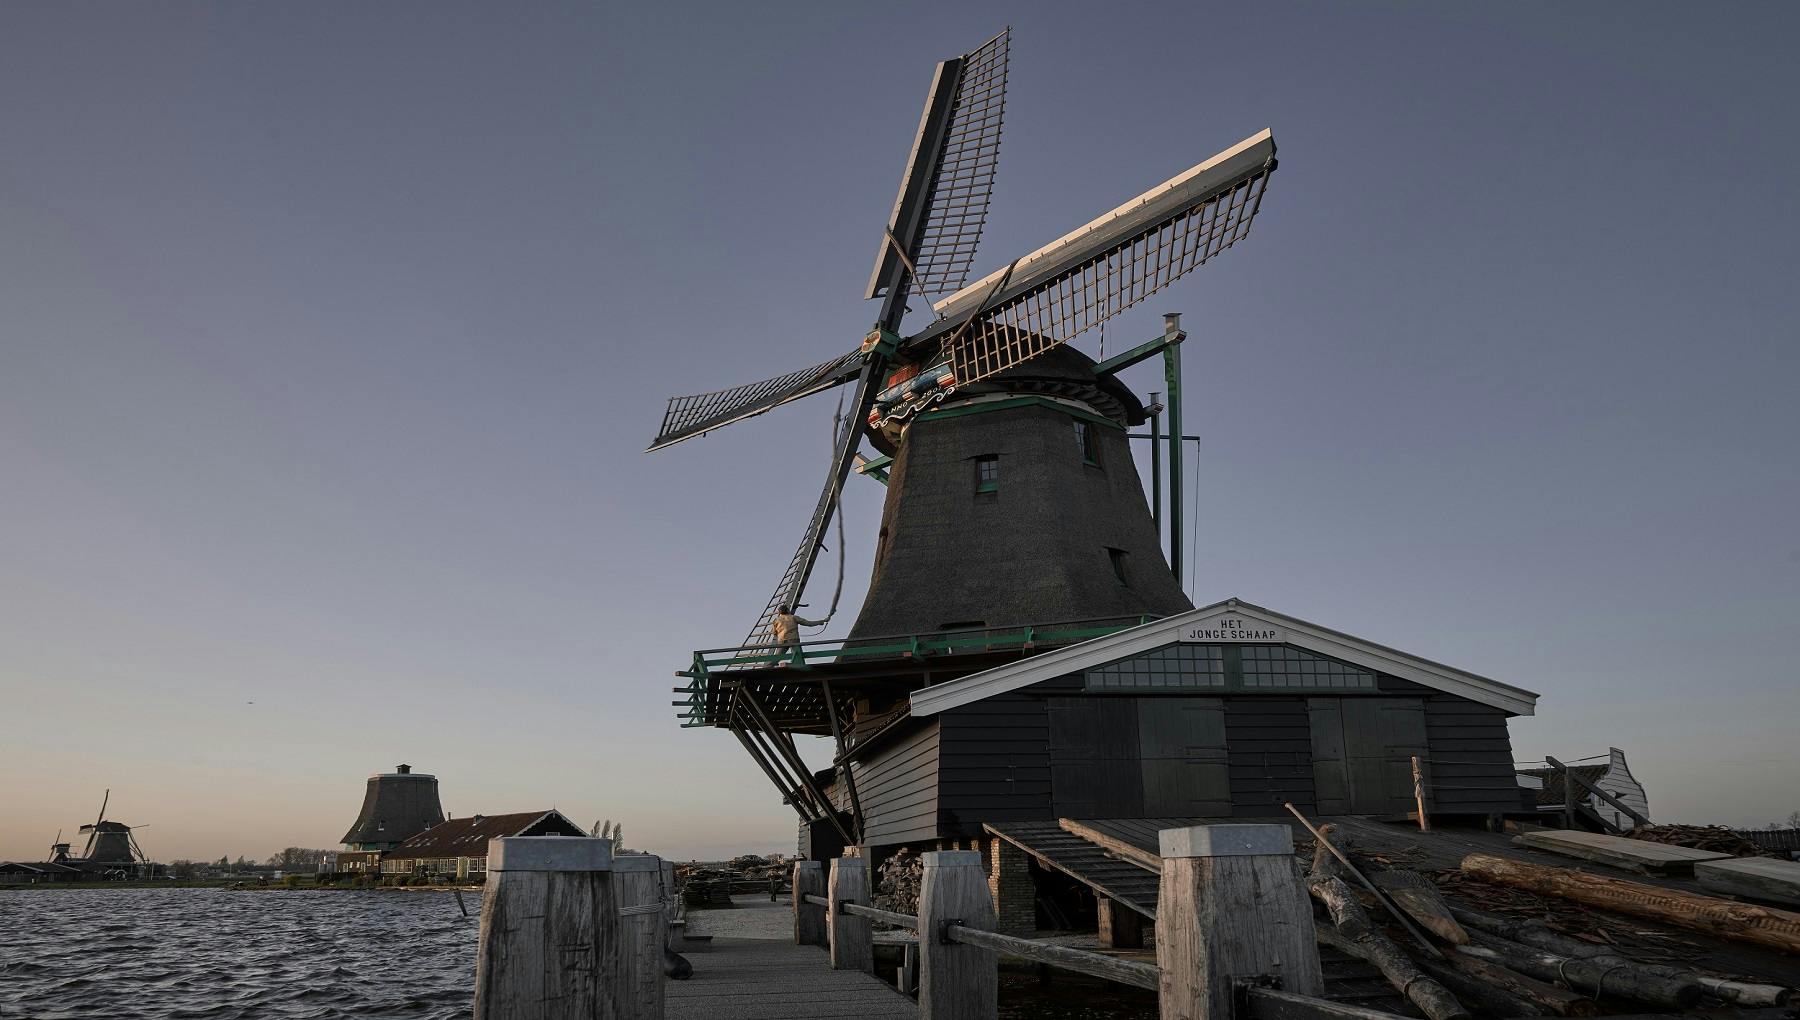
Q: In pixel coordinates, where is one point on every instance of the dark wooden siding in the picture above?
(1268, 744)
(1470, 770)
(898, 787)
(1095, 764)
(993, 764)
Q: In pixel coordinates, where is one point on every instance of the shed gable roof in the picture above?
(1229, 621)
(468, 837)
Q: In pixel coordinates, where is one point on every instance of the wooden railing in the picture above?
(1234, 931)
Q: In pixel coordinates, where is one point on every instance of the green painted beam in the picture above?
(1016, 402)
(1142, 352)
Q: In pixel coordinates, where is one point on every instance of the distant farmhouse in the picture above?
(402, 831)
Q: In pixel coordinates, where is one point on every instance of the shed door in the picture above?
(1094, 770)
(1362, 753)
(1183, 745)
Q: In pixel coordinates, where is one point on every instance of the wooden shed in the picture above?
(1224, 711)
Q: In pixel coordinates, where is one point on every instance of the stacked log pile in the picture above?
(1564, 957)
(1716, 838)
(897, 887)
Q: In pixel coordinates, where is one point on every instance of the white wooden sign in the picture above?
(1233, 628)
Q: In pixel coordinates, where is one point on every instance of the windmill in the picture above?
(1028, 308)
(110, 843)
(59, 851)
(1011, 494)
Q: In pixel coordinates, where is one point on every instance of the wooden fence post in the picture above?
(852, 945)
(643, 931)
(549, 945)
(1419, 794)
(1231, 906)
(809, 918)
(956, 982)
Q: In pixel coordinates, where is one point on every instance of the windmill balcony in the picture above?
(914, 660)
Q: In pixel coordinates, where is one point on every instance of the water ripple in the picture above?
(161, 954)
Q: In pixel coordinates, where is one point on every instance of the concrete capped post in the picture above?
(549, 945)
(809, 918)
(956, 982)
(1231, 906)
(852, 945)
(643, 930)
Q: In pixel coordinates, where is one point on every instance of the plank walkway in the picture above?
(767, 979)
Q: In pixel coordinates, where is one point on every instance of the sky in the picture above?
(331, 336)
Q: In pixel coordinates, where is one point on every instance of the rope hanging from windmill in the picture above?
(838, 424)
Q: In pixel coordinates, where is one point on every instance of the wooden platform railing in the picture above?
(1234, 931)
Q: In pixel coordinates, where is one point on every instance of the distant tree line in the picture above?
(292, 860)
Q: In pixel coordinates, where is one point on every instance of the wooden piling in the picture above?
(809, 918)
(1231, 906)
(852, 945)
(643, 931)
(1120, 926)
(956, 982)
(549, 945)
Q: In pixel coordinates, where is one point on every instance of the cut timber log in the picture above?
(1763, 926)
(1548, 997)
(1618, 851)
(1537, 936)
(1419, 897)
(1487, 998)
(1354, 925)
(1598, 978)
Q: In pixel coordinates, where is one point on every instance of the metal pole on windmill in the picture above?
(1156, 462)
(1172, 376)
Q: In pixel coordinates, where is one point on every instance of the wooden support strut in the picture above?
(843, 764)
(788, 793)
(793, 759)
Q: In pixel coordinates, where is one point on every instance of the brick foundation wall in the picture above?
(1014, 892)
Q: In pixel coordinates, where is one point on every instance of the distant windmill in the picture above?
(111, 842)
(984, 371)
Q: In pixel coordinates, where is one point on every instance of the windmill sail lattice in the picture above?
(964, 182)
(689, 416)
(1084, 278)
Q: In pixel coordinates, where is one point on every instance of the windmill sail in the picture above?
(930, 239)
(689, 416)
(1099, 270)
(799, 568)
(939, 214)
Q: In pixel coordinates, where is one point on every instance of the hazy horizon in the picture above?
(331, 336)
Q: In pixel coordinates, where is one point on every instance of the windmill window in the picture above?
(1117, 556)
(1088, 442)
(987, 473)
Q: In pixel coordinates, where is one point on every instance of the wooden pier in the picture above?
(762, 979)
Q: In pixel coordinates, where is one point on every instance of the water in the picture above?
(222, 955)
(123, 954)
